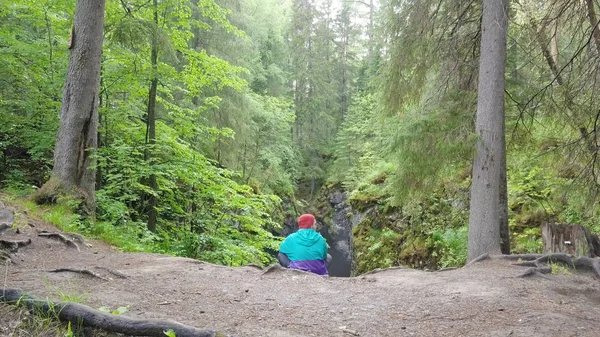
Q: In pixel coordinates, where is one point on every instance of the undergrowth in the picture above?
(223, 245)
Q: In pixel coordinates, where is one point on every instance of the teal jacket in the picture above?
(305, 244)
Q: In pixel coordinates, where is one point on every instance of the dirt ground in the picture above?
(484, 299)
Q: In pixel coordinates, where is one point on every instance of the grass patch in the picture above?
(559, 269)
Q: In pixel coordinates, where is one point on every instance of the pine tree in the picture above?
(489, 166)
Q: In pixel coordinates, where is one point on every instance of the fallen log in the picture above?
(83, 315)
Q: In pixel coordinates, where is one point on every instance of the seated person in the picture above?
(305, 249)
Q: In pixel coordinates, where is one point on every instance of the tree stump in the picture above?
(575, 240)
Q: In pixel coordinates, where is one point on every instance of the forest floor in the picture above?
(483, 299)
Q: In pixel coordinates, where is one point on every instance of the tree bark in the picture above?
(77, 134)
(594, 23)
(571, 239)
(486, 211)
(549, 55)
(503, 203)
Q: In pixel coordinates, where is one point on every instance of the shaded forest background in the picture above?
(265, 106)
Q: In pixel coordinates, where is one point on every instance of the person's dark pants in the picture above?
(285, 261)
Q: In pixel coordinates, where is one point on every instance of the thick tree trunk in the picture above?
(486, 211)
(571, 239)
(77, 135)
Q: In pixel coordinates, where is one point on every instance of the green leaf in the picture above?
(120, 310)
(170, 333)
(104, 309)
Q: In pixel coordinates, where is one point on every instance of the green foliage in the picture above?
(449, 246)
(375, 248)
(69, 332)
(526, 241)
(530, 193)
(427, 234)
(559, 269)
(118, 311)
(205, 211)
(356, 144)
(32, 57)
(279, 97)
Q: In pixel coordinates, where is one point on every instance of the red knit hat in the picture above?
(306, 221)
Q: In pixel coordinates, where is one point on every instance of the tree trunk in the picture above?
(503, 194)
(486, 211)
(594, 23)
(77, 134)
(549, 55)
(99, 141)
(571, 239)
(152, 215)
(371, 27)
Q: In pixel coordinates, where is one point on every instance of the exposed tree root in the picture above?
(481, 257)
(114, 272)
(254, 265)
(62, 238)
(538, 263)
(4, 227)
(77, 237)
(379, 270)
(81, 314)
(7, 247)
(53, 190)
(535, 271)
(79, 271)
(13, 245)
(446, 269)
(5, 256)
(70, 236)
(273, 268)
(522, 257)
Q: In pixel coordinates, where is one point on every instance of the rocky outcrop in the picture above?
(338, 232)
